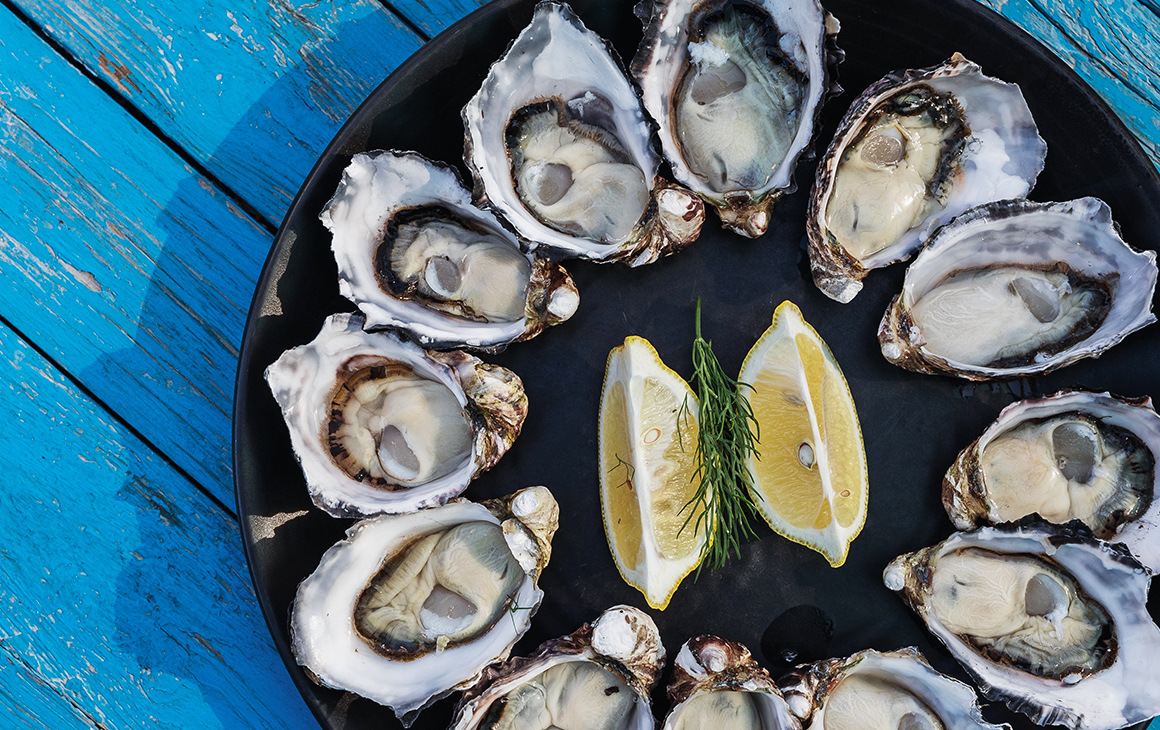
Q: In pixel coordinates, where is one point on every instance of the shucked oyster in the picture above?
(558, 141)
(1044, 617)
(596, 678)
(411, 607)
(871, 690)
(916, 149)
(1072, 455)
(736, 87)
(1017, 288)
(718, 686)
(381, 425)
(414, 253)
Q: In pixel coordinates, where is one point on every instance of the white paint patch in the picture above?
(84, 277)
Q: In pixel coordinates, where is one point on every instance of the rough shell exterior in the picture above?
(556, 55)
(304, 378)
(807, 687)
(322, 634)
(375, 187)
(623, 640)
(1126, 692)
(658, 66)
(1097, 251)
(965, 491)
(1013, 134)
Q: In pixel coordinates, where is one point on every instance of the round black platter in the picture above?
(913, 425)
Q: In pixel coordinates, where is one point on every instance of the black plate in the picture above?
(913, 425)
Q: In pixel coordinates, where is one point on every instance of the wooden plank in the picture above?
(126, 600)
(131, 270)
(253, 90)
(1114, 46)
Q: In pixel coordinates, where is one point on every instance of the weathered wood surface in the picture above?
(134, 271)
(126, 600)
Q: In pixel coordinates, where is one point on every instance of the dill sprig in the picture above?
(728, 434)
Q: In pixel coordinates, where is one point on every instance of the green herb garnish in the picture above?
(728, 435)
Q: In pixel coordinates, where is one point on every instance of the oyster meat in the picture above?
(717, 684)
(872, 690)
(558, 142)
(381, 425)
(916, 149)
(596, 678)
(736, 88)
(1016, 288)
(1072, 455)
(1044, 617)
(411, 607)
(414, 253)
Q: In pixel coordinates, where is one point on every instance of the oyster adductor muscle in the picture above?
(411, 607)
(1015, 288)
(414, 253)
(1044, 617)
(379, 424)
(736, 88)
(558, 143)
(1075, 454)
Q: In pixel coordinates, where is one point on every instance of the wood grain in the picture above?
(252, 90)
(126, 600)
(131, 270)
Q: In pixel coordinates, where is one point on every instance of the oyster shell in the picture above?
(598, 677)
(870, 690)
(414, 253)
(1072, 455)
(1018, 288)
(717, 684)
(1044, 617)
(736, 89)
(916, 149)
(557, 141)
(381, 425)
(410, 607)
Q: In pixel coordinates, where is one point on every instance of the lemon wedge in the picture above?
(810, 480)
(648, 444)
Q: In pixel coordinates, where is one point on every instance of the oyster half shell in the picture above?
(410, 607)
(413, 253)
(1044, 617)
(870, 690)
(557, 142)
(916, 149)
(599, 677)
(717, 684)
(736, 88)
(1072, 455)
(381, 425)
(1016, 288)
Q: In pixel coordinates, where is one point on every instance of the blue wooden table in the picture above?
(148, 151)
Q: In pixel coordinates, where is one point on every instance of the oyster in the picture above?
(558, 142)
(597, 678)
(410, 607)
(1072, 455)
(736, 88)
(872, 690)
(382, 425)
(414, 253)
(1044, 617)
(717, 684)
(915, 150)
(1018, 288)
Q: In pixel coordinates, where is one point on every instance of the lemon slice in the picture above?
(810, 478)
(648, 444)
